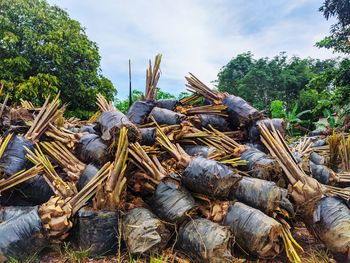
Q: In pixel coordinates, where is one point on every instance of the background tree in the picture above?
(43, 50)
(339, 38)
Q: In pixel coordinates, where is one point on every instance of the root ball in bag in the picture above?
(22, 236)
(169, 104)
(172, 202)
(209, 177)
(92, 149)
(205, 241)
(139, 111)
(331, 223)
(97, 231)
(165, 116)
(110, 122)
(148, 136)
(217, 122)
(143, 232)
(254, 231)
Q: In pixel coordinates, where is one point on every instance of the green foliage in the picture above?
(72, 255)
(164, 95)
(277, 110)
(43, 51)
(339, 39)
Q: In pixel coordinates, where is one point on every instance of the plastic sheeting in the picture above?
(209, 177)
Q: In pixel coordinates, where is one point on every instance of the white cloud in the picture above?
(197, 36)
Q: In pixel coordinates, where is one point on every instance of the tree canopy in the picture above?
(43, 51)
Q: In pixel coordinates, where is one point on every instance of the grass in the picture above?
(76, 256)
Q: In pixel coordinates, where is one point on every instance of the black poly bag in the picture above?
(240, 111)
(205, 241)
(331, 223)
(22, 236)
(89, 172)
(263, 195)
(89, 128)
(97, 231)
(169, 104)
(197, 150)
(320, 172)
(139, 111)
(92, 149)
(148, 136)
(171, 201)
(143, 232)
(14, 158)
(217, 122)
(165, 116)
(9, 212)
(260, 164)
(254, 132)
(254, 231)
(209, 177)
(110, 122)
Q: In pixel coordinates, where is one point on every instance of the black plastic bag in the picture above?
(319, 143)
(172, 202)
(14, 158)
(240, 111)
(110, 122)
(217, 122)
(263, 195)
(89, 172)
(36, 190)
(148, 136)
(97, 231)
(143, 232)
(331, 223)
(22, 236)
(254, 132)
(169, 104)
(254, 231)
(139, 111)
(9, 212)
(260, 164)
(317, 159)
(209, 177)
(89, 128)
(197, 150)
(205, 241)
(320, 172)
(165, 116)
(92, 149)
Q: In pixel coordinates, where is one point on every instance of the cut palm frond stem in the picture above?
(190, 99)
(344, 152)
(63, 135)
(20, 177)
(152, 77)
(58, 186)
(103, 104)
(66, 159)
(219, 110)
(334, 142)
(4, 143)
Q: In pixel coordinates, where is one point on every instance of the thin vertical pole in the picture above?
(130, 90)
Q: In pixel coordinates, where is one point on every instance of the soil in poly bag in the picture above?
(36, 190)
(205, 241)
(165, 116)
(254, 132)
(139, 111)
(240, 111)
(320, 172)
(89, 128)
(14, 158)
(97, 231)
(110, 123)
(260, 164)
(169, 104)
(209, 177)
(8, 212)
(331, 223)
(197, 150)
(254, 231)
(217, 122)
(143, 232)
(172, 202)
(92, 149)
(89, 172)
(263, 195)
(22, 236)
(148, 136)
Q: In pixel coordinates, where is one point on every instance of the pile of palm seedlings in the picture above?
(207, 177)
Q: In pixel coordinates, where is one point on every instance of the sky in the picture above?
(197, 36)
